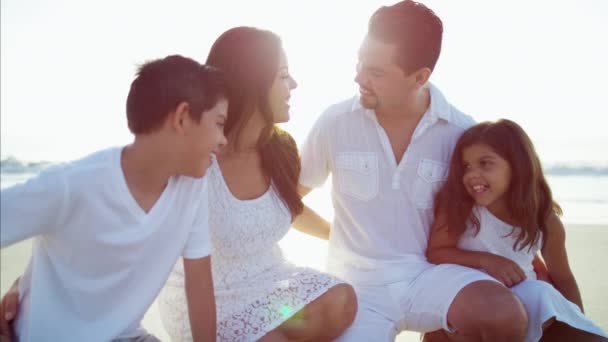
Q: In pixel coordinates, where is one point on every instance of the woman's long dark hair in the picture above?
(529, 198)
(249, 58)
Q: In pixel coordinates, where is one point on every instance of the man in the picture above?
(388, 151)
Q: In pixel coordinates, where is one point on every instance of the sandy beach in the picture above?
(587, 247)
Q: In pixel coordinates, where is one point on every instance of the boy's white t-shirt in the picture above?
(98, 260)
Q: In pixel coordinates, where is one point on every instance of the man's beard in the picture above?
(369, 102)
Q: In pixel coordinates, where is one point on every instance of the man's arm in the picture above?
(309, 221)
(443, 248)
(200, 297)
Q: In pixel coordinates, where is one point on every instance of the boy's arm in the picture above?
(443, 248)
(33, 208)
(8, 310)
(554, 253)
(200, 297)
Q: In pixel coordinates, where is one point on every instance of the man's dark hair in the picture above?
(414, 28)
(161, 85)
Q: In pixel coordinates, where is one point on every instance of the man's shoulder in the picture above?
(459, 119)
(452, 116)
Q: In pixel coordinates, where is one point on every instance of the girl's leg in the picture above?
(323, 319)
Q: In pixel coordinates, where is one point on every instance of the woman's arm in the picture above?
(200, 297)
(556, 258)
(443, 248)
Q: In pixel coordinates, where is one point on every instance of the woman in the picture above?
(253, 201)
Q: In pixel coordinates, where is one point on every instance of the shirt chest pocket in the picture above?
(357, 174)
(430, 176)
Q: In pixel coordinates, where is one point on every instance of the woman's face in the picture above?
(279, 94)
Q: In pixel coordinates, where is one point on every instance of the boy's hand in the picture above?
(8, 311)
(504, 270)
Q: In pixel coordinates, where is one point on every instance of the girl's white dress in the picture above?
(542, 301)
(256, 289)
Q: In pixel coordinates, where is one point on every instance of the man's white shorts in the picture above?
(420, 303)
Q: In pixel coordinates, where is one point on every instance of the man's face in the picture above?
(382, 83)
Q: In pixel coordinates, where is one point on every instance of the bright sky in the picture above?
(66, 65)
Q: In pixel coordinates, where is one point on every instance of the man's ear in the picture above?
(422, 76)
(179, 117)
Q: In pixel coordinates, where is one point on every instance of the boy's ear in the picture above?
(179, 117)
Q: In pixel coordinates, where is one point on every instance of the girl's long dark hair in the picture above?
(249, 58)
(529, 199)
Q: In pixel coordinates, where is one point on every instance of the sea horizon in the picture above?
(580, 188)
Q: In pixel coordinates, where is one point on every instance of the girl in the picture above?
(494, 213)
(253, 200)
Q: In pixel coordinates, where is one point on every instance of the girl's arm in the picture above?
(200, 297)
(443, 248)
(556, 258)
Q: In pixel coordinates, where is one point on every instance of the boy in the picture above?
(109, 228)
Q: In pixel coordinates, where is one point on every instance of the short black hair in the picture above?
(414, 28)
(162, 84)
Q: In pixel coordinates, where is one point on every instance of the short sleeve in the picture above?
(315, 154)
(199, 241)
(35, 207)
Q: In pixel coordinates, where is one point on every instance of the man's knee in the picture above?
(489, 311)
(369, 326)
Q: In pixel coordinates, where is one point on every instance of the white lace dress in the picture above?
(256, 289)
(541, 300)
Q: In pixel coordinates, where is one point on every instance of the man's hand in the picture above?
(8, 311)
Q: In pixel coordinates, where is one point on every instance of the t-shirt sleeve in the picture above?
(315, 154)
(199, 241)
(35, 207)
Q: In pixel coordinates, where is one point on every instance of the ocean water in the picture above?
(580, 189)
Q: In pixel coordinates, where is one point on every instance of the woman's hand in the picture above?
(504, 270)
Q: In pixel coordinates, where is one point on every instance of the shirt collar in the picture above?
(439, 107)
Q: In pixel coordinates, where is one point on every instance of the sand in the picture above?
(587, 249)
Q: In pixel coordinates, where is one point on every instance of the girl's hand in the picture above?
(504, 270)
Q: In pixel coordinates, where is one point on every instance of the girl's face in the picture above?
(486, 177)
(280, 91)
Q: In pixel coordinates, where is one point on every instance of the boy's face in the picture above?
(203, 139)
